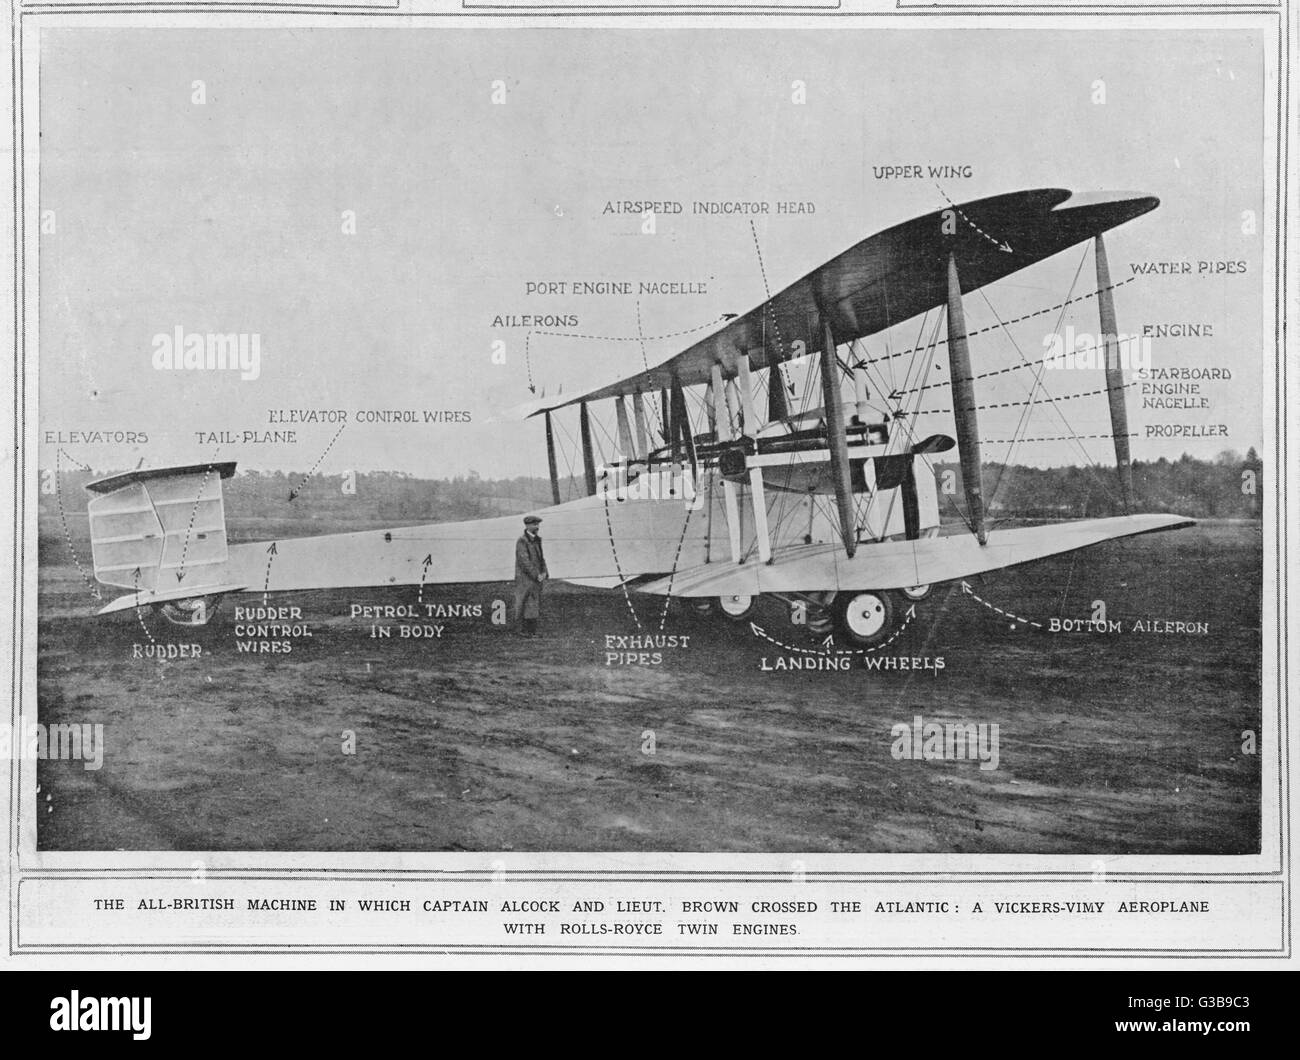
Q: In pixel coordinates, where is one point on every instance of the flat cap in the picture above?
(532, 520)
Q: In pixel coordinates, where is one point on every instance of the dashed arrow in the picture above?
(965, 587)
(185, 548)
(1002, 244)
(528, 362)
(663, 615)
(829, 642)
(138, 613)
(70, 460)
(293, 493)
(771, 310)
(622, 578)
(428, 562)
(63, 518)
(271, 553)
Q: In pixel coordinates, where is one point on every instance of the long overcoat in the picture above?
(530, 571)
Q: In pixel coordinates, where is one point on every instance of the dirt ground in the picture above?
(484, 740)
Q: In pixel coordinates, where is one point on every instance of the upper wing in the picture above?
(892, 276)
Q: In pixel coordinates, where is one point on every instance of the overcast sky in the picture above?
(228, 216)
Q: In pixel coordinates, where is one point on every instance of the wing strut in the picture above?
(624, 430)
(588, 459)
(777, 407)
(963, 405)
(733, 405)
(861, 393)
(836, 439)
(1114, 375)
(745, 383)
(682, 427)
(550, 460)
(672, 434)
(731, 507)
(642, 435)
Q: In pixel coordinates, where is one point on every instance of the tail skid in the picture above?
(147, 598)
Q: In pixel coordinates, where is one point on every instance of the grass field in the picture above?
(482, 740)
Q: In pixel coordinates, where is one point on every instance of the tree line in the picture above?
(1229, 486)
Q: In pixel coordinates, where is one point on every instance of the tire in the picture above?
(704, 606)
(917, 593)
(864, 619)
(737, 608)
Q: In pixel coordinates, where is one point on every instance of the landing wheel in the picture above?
(737, 608)
(917, 592)
(702, 605)
(864, 619)
(192, 611)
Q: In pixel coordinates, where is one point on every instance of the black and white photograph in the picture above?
(648, 482)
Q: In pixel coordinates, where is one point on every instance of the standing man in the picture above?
(530, 576)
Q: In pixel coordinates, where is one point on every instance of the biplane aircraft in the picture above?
(718, 491)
